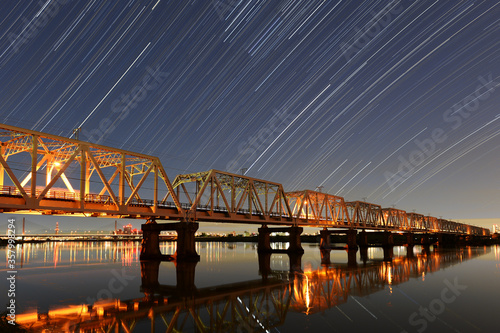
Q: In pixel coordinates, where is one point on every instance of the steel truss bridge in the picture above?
(49, 174)
(250, 306)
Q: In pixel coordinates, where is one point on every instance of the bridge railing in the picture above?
(51, 194)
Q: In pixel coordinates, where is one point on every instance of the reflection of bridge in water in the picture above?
(251, 306)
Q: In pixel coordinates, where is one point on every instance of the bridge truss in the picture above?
(221, 196)
(317, 208)
(45, 169)
(56, 175)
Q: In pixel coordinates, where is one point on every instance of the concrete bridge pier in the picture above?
(150, 245)
(461, 240)
(186, 245)
(363, 253)
(325, 239)
(363, 239)
(295, 244)
(186, 250)
(264, 239)
(410, 242)
(351, 258)
(450, 240)
(425, 240)
(388, 245)
(387, 239)
(351, 240)
(388, 253)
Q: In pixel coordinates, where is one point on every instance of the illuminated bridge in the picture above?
(249, 306)
(49, 174)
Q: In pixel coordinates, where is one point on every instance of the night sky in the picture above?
(391, 102)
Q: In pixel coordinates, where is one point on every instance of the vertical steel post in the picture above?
(34, 160)
(83, 174)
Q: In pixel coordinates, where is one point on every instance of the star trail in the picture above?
(395, 102)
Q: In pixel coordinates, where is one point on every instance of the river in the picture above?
(86, 286)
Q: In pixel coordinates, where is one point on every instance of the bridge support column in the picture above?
(186, 249)
(351, 239)
(460, 240)
(441, 239)
(425, 239)
(410, 242)
(325, 239)
(388, 245)
(351, 258)
(410, 238)
(426, 243)
(150, 245)
(363, 253)
(264, 240)
(388, 239)
(363, 239)
(388, 253)
(295, 244)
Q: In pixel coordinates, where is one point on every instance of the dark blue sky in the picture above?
(392, 101)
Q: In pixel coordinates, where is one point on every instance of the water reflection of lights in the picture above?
(63, 253)
(312, 291)
(280, 245)
(56, 254)
(303, 294)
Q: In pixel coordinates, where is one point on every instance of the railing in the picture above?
(12, 191)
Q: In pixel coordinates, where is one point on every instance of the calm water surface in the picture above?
(102, 286)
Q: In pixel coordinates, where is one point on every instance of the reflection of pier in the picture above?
(253, 306)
